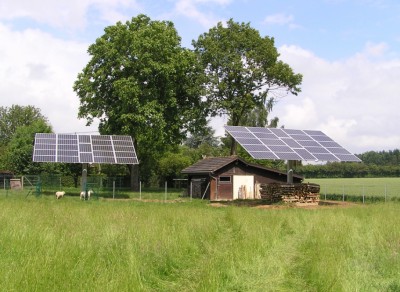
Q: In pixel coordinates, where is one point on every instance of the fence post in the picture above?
(114, 189)
(191, 189)
(343, 193)
(165, 198)
(385, 193)
(140, 190)
(363, 193)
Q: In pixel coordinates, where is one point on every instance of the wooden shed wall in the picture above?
(218, 190)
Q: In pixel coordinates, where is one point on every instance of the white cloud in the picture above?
(301, 113)
(281, 19)
(66, 14)
(190, 9)
(375, 50)
(355, 101)
(40, 70)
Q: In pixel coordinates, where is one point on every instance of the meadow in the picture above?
(385, 187)
(130, 245)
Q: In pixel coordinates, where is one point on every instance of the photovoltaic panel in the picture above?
(264, 155)
(258, 147)
(288, 156)
(289, 144)
(279, 133)
(75, 148)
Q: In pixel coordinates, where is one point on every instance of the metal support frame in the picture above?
(290, 164)
(84, 179)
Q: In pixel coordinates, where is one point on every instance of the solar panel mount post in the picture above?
(289, 144)
(76, 148)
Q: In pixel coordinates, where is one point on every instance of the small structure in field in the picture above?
(231, 178)
(5, 177)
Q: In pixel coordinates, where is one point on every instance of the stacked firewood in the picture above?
(271, 192)
(290, 193)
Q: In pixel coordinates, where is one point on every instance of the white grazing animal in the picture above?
(82, 195)
(59, 195)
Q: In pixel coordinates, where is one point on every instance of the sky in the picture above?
(348, 52)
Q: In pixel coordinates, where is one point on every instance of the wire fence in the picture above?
(372, 190)
(360, 192)
(105, 187)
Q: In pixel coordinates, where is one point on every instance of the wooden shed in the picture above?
(230, 178)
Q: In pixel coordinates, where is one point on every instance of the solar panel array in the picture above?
(289, 144)
(73, 148)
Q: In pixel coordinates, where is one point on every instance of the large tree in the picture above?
(244, 71)
(140, 82)
(17, 156)
(11, 118)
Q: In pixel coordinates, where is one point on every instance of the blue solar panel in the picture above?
(258, 147)
(280, 149)
(264, 155)
(289, 144)
(272, 142)
(304, 154)
(288, 156)
(73, 148)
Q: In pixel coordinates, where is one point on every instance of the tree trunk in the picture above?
(233, 146)
(75, 178)
(134, 172)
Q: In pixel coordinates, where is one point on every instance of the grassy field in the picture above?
(378, 187)
(127, 245)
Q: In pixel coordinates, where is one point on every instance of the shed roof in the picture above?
(210, 165)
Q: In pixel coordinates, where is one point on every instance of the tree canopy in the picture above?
(18, 125)
(141, 82)
(17, 156)
(11, 118)
(243, 71)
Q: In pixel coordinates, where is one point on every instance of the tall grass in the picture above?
(108, 245)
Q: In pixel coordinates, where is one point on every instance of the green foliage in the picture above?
(141, 82)
(203, 136)
(98, 245)
(374, 164)
(391, 157)
(171, 165)
(73, 170)
(348, 170)
(112, 170)
(258, 117)
(14, 117)
(244, 73)
(242, 69)
(18, 155)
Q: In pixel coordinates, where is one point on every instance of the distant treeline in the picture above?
(374, 164)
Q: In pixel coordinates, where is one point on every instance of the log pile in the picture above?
(304, 193)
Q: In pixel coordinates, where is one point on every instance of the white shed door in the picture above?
(243, 187)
